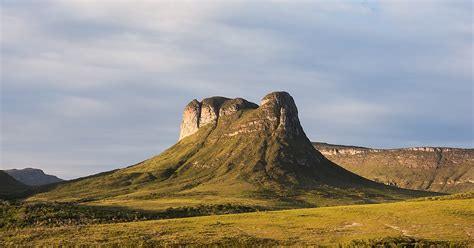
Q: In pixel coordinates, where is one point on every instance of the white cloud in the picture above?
(80, 107)
(350, 112)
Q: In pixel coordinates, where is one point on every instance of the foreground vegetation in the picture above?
(458, 196)
(24, 214)
(442, 223)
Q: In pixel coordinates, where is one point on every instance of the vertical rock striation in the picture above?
(280, 108)
(190, 122)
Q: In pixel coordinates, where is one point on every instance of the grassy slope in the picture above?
(448, 220)
(457, 196)
(246, 169)
(451, 170)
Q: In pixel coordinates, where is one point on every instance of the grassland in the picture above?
(26, 214)
(440, 222)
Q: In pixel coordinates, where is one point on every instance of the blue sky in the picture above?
(89, 86)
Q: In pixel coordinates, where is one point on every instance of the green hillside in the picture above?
(439, 169)
(444, 223)
(232, 152)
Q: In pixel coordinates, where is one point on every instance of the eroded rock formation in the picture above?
(281, 108)
(278, 112)
(198, 114)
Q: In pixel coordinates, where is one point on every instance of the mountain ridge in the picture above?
(440, 169)
(33, 176)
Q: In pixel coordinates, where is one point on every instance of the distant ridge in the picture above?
(10, 187)
(441, 169)
(33, 177)
(233, 151)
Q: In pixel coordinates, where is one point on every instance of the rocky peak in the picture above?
(197, 114)
(277, 112)
(210, 108)
(281, 109)
(190, 122)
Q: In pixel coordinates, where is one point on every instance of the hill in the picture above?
(440, 169)
(10, 187)
(446, 223)
(33, 177)
(232, 151)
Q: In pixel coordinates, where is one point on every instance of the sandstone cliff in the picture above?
(197, 114)
(440, 169)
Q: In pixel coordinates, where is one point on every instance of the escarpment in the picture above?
(440, 169)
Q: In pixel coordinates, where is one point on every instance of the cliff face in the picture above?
(198, 114)
(281, 109)
(438, 169)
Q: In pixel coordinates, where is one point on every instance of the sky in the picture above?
(90, 86)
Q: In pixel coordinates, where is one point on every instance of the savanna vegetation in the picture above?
(16, 214)
(427, 223)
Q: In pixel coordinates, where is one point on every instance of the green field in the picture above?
(441, 221)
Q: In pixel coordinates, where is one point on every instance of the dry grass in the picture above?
(447, 222)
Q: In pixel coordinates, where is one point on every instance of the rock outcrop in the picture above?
(191, 115)
(281, 109)
(279, 112)
(197, 114)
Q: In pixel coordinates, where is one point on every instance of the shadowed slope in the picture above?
(10, 187)
(240, 153)
(33, 177)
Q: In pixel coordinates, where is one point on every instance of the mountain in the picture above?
(232, 151)
(10, 187)
(440, 169)
(33, 177)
